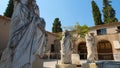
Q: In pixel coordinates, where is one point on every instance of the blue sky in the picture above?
(68, 11)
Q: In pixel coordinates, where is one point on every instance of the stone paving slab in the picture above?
(52, 63)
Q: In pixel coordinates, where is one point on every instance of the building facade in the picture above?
(107, 42)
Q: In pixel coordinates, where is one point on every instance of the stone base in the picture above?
(38, 63)
(89, 65)
(75, 59)
(65, 66)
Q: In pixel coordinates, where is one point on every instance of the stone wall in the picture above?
(4, 32)
(111, 30)
(54, 43)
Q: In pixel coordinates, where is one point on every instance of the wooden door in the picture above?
(82, 50)
(104, 50)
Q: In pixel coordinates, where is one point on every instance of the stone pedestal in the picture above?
(38, 63)
(75, 59)
(65, 66)
(89, 65)
(116, 56)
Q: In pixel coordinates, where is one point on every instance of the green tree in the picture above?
(9, 9)
(56, 26)
(78, 29)
(108, 12)
(96, 13)
(81, 30)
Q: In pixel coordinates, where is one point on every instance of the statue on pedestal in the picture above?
(27, 34)
(66, 48)
(90, 48)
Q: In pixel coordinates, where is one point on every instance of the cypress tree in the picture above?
(96, 13)
(56, 26)
(9, 9)
(108, 12)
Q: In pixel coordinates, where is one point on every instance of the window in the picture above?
(118, 27)
(52, 48)
(101, 31)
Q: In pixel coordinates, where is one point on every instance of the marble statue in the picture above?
(27, 34)
(90, 48)
(66, 48)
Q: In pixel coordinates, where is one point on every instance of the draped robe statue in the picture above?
(66, 48)
(90, 48)
(27, 34)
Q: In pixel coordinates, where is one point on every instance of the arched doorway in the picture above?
(82, 50)
(104, 49)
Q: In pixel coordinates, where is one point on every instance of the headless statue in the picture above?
(90, 48)
(66, 48)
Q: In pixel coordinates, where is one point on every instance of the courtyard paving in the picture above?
(52, 63)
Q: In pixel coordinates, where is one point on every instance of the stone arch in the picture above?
(82, 50)
(104, 48)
